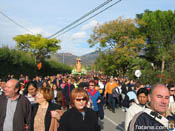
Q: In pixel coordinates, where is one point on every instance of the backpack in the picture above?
(115, 94)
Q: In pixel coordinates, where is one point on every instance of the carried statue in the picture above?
(78, 65)
(79, 69)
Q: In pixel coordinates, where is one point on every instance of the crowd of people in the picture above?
(76, 103)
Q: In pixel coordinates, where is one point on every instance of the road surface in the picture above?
(113, 121)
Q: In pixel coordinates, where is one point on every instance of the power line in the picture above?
(87, 14)
(89, 18)
(24, 28)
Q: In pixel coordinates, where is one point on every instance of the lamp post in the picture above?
(138, 73)
(152, 64)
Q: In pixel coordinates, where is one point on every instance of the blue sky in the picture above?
(48, 16)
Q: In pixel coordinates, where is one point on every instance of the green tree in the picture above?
(106, 63)
(38, 45)
(16, 62)
(122, 37)
(159, 28)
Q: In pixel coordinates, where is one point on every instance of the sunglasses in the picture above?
(172, 90)
(91, 85)
(80, 99)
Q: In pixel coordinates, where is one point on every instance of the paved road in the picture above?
(113, 121)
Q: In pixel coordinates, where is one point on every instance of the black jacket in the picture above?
(22, 113)
(145, 122)
(66, 91)
(47, 120)
(72, 120)
(100, 108)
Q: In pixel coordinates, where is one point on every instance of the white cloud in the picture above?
(90, 25)
(38, 30)
(9, 30)
(77, 47)
(77, 43)
(79, 35)
(71, 43)
(70, 48)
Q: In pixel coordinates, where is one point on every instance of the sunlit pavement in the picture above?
(113, 121)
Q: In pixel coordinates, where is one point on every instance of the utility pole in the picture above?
(63, 57)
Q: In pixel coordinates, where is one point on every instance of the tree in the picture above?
(159, 28)
(106, 63)
(16, 62)
(122, 37)
(38, 45)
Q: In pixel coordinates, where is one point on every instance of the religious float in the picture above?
(79, 69)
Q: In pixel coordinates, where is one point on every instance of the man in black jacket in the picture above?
(153, 119)
(15, 109)
(67, 91)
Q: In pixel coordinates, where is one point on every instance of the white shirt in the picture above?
(131, 112)
(171, 99)
(101, 85)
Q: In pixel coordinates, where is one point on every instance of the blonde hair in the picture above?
(47, 93)
(78, 92)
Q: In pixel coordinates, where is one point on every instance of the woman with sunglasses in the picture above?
(79, 117)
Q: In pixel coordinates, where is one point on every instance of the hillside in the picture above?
(89, 58)
(70, 59)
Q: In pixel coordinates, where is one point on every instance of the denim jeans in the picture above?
(111, 101)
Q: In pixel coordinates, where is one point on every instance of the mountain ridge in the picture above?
(70, 59)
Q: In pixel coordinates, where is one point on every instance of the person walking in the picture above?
(108, 90)
(67, 91)
(94, 95)
(79, 117)
(15, 109)
(153, 118)
(41, 119)
(30, 91)
(139, 105)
